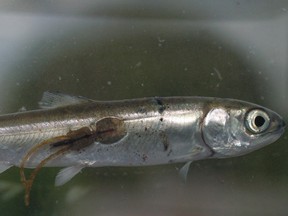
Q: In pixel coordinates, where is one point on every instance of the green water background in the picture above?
(131, 49)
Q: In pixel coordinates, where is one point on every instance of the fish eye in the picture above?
(257, 121)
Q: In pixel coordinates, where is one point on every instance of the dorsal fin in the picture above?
(52, 99)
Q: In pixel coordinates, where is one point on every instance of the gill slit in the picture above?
(202, 132)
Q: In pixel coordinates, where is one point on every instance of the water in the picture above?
(129, 49)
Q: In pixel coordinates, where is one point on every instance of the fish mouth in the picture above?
(281, 127)
(277, 132)
(278, 125)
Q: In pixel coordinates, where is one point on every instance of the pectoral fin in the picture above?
(183, 172)
(67, 174)
(4, 167)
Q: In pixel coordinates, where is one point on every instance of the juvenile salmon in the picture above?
(75, 132)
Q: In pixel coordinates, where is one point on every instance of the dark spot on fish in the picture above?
(159, 101)
(108, 106)
(161, 119)
(144, 157)
(109, 130)
(161, 109)
(162, 106)
(146, 128)
(164, 140)
(142, 110)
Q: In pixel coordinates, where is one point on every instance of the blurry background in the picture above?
(108, 50)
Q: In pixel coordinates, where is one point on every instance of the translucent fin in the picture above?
(4, 167)
(183, 172)
(67, 174)
(56, 99)
(22, 109)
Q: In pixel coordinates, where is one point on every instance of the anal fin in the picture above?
(67, 174)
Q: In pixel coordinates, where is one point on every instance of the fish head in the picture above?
(237, 128)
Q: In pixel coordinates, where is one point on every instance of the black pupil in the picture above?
(259, 121)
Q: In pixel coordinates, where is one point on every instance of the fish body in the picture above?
(157, 131)
(137, 132)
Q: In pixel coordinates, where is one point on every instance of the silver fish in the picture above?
(75, 132)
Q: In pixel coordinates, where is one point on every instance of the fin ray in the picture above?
(53, 99)
(183, 172)
(66, 174)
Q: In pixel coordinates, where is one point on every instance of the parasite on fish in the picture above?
(75, 132)
(74, 140)
(107, 130)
